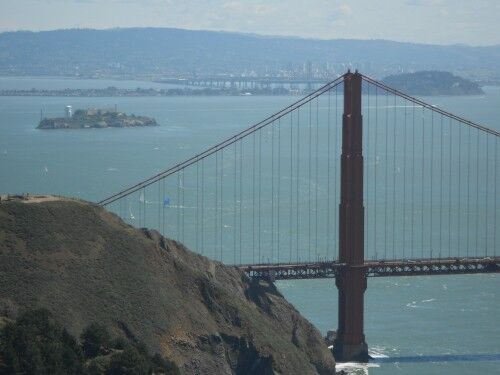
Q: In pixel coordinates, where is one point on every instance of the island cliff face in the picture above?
(96, 118)
(86, 265)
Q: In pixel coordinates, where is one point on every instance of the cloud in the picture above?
(425, 2)
(345, 9)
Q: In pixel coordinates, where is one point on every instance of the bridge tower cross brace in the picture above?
(351, 281)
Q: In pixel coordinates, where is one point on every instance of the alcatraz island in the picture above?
(95, 118)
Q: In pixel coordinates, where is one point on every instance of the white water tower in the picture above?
(68, 111)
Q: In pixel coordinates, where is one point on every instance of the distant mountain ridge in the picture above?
(154, 52)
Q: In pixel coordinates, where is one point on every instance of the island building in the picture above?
(68, 110)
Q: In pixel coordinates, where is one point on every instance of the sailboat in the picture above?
(132, 217)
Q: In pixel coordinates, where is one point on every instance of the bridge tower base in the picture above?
(350, 342)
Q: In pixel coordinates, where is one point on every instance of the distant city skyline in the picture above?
(418, 21)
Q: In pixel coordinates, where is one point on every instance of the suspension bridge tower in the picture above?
(351, 281)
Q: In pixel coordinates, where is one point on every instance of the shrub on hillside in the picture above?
(36, 344)
(134, 360)
(95, 340)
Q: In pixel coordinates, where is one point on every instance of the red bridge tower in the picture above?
(351, 282)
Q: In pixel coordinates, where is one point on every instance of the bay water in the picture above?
(413, 325)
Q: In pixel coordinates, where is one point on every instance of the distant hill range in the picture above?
(432, 83)
(160, 52)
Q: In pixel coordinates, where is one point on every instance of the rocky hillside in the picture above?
(85, 265)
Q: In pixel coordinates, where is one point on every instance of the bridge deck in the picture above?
(320, 270)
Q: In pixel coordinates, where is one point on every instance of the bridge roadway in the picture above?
(421, 267)
(216, 80)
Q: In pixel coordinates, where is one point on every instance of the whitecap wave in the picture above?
(412, 304)
(377, 353)
(355, 368)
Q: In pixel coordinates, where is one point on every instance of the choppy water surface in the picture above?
(432, 325)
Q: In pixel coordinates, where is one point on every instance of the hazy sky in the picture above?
(475, 22)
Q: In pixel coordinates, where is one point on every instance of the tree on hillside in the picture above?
(36, 344)
(95, 340)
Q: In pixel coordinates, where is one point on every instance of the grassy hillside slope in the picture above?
(84, 264)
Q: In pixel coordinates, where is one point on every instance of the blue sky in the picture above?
(474, 22)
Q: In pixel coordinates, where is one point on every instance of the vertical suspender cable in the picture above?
(495, 164)
(317, 180)
(366, 180)
(404, 180)
(335, 172)
(297, 188)
(394, 184)
(291, 183)
(431, 228)
(328, 229)
(142, 199)
(260, 184)
(449, 190)
(235, 201)
(178, 206)
(139, 207)
(221, 198)
(183, 212)
(216, 207)
(197, 204)
(477, 193)
(163, 210)
(386, 160)
(468, 188)
(202, 206)
(160, 203)
(253, 197)
(459, 215)
(241, 198)
(487, 177)
(412, 181)
(422, 176)
(272, 192)
(279, 190)
(441, 189)
(309, 184)
(375, 219)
